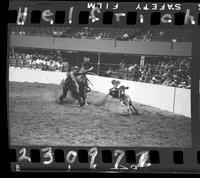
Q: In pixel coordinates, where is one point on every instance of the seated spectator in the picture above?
(109, 72)
(155, 80)
(109, 33)
(132, 67)
(168, 80)
(141, 79)
(174, 72)
(188, 82)
(182, 83)
(121, 65)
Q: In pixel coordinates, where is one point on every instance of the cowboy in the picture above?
(115, 89)
(87, 65)
(72, 74)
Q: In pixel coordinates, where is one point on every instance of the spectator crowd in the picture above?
(123, 34)
(176, 72)
(38, 61)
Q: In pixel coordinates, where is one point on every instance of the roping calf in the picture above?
(126, 100)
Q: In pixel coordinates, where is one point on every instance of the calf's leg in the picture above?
(133, 108)
(122, 105)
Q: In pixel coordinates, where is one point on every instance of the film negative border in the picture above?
(96, 158)
(95, 14)
(103, 159)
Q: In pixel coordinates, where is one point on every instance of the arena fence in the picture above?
(176, 100)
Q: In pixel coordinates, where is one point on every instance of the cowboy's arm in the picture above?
(91, 68)
(81, 73)
(73, 78)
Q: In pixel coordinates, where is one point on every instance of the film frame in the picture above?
(157, 159)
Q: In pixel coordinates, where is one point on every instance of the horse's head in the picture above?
(82, 70)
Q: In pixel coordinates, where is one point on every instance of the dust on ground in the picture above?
(36, 118)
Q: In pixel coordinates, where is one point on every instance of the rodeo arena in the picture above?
(100, 86)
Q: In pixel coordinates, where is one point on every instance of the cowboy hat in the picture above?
(75, 67)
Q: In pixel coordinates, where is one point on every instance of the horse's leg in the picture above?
(82, 90)
(84, 95)
(81, 102)
(79, 98)
(65, 89)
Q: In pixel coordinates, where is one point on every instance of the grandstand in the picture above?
(125, 34)
(165, 71)
(172, 70)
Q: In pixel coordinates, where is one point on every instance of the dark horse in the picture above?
(69, 84)
(82, 82)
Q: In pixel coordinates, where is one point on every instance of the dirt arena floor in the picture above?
(36, 118)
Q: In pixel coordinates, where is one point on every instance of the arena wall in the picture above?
(158, 96)
(182, 102)
(177, 100)
(31, 75)
(102, 46)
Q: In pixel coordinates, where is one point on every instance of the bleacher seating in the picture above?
(25, 64)
(13, 62)
(20, 63)
(169, 72)
(152, 34)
